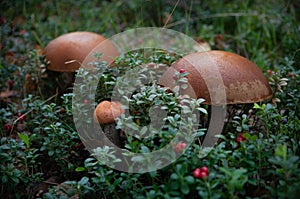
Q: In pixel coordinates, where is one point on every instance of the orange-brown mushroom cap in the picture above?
(68, 51)
(243, 81)
(107, 111)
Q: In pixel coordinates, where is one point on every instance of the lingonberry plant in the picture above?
(42, 156)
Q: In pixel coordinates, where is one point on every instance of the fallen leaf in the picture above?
(8, 93)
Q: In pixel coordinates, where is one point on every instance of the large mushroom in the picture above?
(220, 78)
(105, 114)
(67, 52)
(243, 81)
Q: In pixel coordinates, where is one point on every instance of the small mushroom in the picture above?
(243, 81)
(105, 114)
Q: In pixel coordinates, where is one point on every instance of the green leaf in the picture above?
(4, 179)
(202, 110)
(281, 151)
(143, 130)
(78, 169)
(145, 149)
(25, 139)
(15, 179)
(138, 158)
(83, 181)
(174, 185)
(256, 106)
(174, 176)
(50, 153)
(48, 196)
(189, 179)
(185, 188)
(200, 100)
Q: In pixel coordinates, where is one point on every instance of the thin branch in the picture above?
(170, 15)
(15, 121)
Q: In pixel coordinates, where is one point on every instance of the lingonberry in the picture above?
(196, 173)
(151, 64)
(240, 138)
(204, 169)
(7, 127)
(21, 117)
(203, 175)
(85, 101)
(179, 147)
(270, 72)
(218, 37)
(2, 20)
(182, 70)
(10, 83)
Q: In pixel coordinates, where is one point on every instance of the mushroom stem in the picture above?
(112, 133)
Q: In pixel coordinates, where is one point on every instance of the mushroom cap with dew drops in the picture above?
(243, 81)
(68, 51)
(106, 112)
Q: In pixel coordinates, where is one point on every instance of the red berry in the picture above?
(10, 83)
(181, 70)
(204, 169)
(270, 72)
(182, 145)
(218, 37)
(196, 173)
(151, 64)
(179, 147)
(22, 118)
(176, 148)
(23, 31)
(291, 75)
(85, 101)
(203, 175)
(2, 20)
(7, 127)
(140, 41)
(240, 138)
(136, 112)
(200, 174)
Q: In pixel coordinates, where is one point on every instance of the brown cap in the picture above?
(208, 71)
(107, 111)
(68, 51)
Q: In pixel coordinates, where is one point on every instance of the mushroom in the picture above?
(105, 114)
(243, 81)
(68, 51)
(220, 78)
